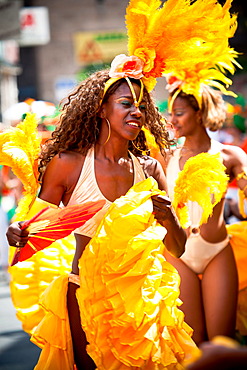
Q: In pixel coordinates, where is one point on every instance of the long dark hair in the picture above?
(79, 126)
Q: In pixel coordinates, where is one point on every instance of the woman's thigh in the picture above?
(220, 292)
(82, 359)
(190, 294)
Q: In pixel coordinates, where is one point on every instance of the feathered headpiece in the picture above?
(170, 37)
(214, 57)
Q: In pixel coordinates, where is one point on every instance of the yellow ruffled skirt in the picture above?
(30, 278)
(53, 333)
(238, 237)
(128, 296)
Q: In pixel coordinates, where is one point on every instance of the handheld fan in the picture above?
(52, 224)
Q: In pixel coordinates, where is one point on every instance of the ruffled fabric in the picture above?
(129, 294)
(53, 333)
(237, 233)
(30, 278)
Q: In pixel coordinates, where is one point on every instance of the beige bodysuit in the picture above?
(87, 190)
(198, 252)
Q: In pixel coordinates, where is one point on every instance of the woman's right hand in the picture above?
(16, 236)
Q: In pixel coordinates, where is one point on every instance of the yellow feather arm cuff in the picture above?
(202, 180)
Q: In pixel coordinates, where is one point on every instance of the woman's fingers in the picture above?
(16, 236)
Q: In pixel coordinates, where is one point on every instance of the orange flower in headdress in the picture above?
(124, 66)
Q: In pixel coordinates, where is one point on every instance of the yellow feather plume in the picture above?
(179, 34)
(214, 57)
(19, 149)
(202, 180)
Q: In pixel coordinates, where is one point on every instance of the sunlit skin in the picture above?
(184, 118)
(114, 176)
(209, 303)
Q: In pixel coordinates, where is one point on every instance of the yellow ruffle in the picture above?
(30, 278)
(53, 332)
(129, 293)
(238, 232)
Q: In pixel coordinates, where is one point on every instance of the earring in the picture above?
(109, 130)
(145, 152)
(140, 150)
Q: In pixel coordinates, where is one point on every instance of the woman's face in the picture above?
(126, 120)
(184, 118)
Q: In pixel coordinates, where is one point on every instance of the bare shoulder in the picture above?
(65, 161)
(233, 153)
(235, 160)
(61, 176)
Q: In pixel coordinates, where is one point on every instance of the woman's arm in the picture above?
(57, 184)
(175, 238)
(235, 159)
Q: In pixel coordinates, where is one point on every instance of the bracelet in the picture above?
(73, 278)
(242, 175)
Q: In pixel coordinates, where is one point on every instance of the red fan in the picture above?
(51, 224)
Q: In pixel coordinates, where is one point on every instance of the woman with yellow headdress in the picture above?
(209, 279)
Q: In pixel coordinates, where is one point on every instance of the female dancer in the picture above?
(90, 158)
(209, 281)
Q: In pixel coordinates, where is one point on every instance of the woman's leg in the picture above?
(220, 293)
(190, 294)
(82, 359)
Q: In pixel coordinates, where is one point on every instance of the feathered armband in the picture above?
(202, 180)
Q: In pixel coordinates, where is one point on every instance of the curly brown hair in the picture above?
(213, 107)
(79, 125)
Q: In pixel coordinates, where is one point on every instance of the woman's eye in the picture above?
(142, 106)
(126, 103)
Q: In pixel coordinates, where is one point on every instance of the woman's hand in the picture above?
(16, 236)
(162, 208)
(175, 238)
(215, 357)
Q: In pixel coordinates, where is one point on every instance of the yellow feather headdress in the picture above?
(214, 57)
(20, 149)
(171, 37)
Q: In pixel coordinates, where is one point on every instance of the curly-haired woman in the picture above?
(96, 153)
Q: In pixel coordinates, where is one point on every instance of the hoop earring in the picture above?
(109, 131)
(146, 152)
(140, 150)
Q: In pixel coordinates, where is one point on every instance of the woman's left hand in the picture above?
(162, 208)
(175, 238)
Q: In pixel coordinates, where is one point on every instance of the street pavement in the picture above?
(16, 350)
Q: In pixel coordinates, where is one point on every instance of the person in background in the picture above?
(208, 252)
(221, 353)
(196, 106)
